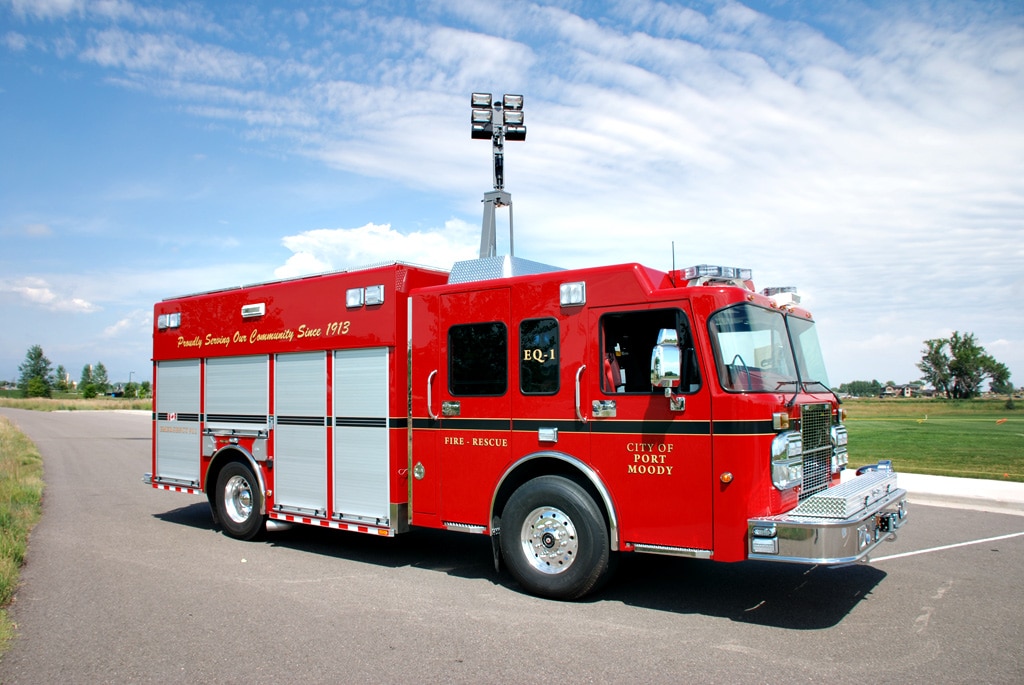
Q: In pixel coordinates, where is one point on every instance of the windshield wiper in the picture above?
(827, 389)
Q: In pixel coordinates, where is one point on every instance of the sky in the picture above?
(870, 153)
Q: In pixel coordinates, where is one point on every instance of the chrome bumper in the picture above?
(840, 525)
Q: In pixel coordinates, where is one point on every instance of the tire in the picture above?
(554, 539)
(239, 501)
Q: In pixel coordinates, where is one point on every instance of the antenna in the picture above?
(671, 278)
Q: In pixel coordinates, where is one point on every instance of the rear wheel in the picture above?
(239, 502)
(554, 539)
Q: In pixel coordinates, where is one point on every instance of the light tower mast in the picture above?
(498, 121)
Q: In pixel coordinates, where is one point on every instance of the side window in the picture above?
(627, 340)
(538, 356)
(478, 359)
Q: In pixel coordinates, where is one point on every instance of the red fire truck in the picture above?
(570, 415)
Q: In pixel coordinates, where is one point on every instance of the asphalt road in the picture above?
(129, 584)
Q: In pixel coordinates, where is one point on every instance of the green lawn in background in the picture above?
(967, 439)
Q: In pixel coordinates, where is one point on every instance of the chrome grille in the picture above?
(815, 424)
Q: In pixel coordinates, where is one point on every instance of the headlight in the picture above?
(787, 460)
(840, 457)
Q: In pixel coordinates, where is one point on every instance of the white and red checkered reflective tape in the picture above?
(178, 488)
(327, 523)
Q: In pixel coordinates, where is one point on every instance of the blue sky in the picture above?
(869, 153)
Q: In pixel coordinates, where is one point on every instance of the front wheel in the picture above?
(239, 502)
(554, 539)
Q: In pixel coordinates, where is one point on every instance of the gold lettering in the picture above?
(649, 470)
(217, 340)
(305, 332)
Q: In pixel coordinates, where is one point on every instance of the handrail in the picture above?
(430, 399)
(579, 412)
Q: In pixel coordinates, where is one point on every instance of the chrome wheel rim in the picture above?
(238, 499)
(549, 540)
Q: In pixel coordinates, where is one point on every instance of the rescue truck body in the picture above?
(569, 415)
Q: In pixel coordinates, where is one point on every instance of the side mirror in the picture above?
(666, 360)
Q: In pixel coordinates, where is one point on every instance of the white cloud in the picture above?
(135, 321)
(47, 9)
(172, 55)
(37, 292)
(15, 42)
(328, 249)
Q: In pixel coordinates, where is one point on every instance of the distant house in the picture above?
(900, 391)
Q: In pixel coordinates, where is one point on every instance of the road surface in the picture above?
(128, 584)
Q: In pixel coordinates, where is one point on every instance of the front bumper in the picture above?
(840, 525)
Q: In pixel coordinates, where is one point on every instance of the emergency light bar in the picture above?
(782, 296)
(715, 271)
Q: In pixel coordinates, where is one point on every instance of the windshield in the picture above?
(808, 352)
(755, 351)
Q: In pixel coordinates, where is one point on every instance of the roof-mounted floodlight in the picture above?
(498, 120)
(481, 122)
(514, 102)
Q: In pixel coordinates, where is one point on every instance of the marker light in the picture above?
(250, 311)
(165, 321)
(572, 294)
(374, 295)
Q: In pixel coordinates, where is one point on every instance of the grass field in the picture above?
(21, 489)
(972, 439)
(75, 403)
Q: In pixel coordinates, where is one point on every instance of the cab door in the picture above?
(464, 441)
(657, 457)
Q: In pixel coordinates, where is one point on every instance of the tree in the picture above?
(36, 375)
(99, 378)
(60, 381)
(862, 388)
(86, 378)
(957, 366)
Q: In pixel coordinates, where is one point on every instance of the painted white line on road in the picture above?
(945, 547)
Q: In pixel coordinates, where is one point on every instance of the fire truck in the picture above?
(570, 415)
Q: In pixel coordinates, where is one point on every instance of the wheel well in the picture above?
(226, 456)
(550, 466)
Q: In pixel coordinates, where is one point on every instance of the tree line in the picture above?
(38, 378)
(956, 367)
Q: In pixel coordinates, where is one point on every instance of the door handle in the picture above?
(579, 408)
(430, 397)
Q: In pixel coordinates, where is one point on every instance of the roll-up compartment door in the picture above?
(300, 432)
(236, 393)
(177, 422)
(361, 453)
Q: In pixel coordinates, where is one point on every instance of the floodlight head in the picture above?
(515, 133)
(513, 117)
(513, 102)
(481, 100)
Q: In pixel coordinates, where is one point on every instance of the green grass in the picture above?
(968, 439)
(21, 492)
